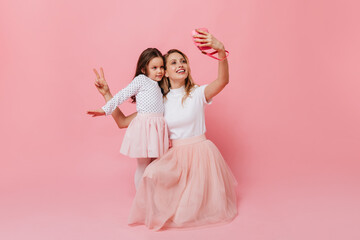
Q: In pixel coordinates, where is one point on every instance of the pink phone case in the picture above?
(204, 48)
(194, 32)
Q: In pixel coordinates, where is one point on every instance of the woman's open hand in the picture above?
(208, 40)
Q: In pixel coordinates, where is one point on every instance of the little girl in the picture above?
(147, 135)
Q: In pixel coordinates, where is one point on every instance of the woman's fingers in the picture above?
(202, 32)
(200, 36)
(204, 45)
(206, 39)
(201, 40)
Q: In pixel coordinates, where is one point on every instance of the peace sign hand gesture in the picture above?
(100, 82)
(103, 88)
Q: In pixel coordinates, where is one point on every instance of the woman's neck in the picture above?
(177, 84)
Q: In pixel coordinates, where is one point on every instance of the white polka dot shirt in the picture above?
(149, 98)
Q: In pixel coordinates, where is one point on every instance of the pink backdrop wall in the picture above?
(287, 124)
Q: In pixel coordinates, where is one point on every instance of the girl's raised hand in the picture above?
(100, 82)
(96, 113)
(208, 40)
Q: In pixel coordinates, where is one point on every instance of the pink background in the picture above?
(287, 124)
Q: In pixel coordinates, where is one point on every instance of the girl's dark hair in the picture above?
(143, 61)
(165, 82)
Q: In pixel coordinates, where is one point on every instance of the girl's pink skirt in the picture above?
(190, 186)
(146, 136)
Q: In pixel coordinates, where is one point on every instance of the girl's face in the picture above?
(155, 69)
(177, 68)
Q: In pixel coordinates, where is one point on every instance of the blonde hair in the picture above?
(165, 82)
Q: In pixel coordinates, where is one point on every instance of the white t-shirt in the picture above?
(149, 98)
(185, 119)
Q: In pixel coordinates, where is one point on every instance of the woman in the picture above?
(190, 185)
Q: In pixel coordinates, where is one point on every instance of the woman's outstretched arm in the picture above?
(216, 86)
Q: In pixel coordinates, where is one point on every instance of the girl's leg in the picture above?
(142, 164)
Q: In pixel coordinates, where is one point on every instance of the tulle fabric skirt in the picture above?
(190, 186)
(146, 137)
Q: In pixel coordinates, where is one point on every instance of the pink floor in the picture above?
(92, 200)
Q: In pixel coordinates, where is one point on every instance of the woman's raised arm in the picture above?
(216, 86)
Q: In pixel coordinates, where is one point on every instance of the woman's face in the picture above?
(177, 68)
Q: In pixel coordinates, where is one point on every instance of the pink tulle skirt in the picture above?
(146, 136)
(190, 186)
